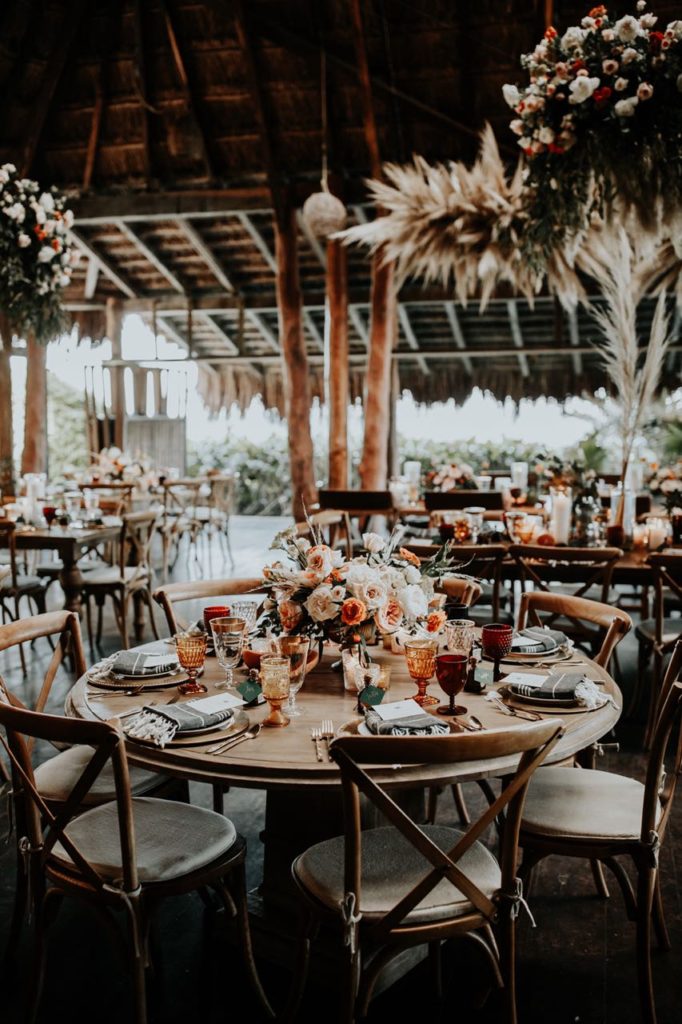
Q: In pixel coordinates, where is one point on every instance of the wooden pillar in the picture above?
(6, 431)
(34, 455)
(393, 451)
(336, 362)
(294, 364)
(373, 467)
(114, 328)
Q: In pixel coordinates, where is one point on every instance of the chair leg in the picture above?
(599, 879)
(18, 916)
(307, 932)
(238, 893)
(660, 926)
(138, 949)
(218, 805)
(147, 594)
(646, 885)
(88, 620)
(460, 804)
(508, 965)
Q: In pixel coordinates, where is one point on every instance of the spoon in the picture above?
(250, 734)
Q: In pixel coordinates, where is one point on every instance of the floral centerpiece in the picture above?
(317, 592)
(666, 484)
(552, 470)
(36, 255)
(455, 476)
(114, 465)
(600, 117)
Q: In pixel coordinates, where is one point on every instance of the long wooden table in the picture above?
(70, 544)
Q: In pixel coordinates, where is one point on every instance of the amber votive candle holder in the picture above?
(275, 678)
(191, 650)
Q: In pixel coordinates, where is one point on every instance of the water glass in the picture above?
(460, 635)
(228, 641)
(295, 649)
(246, 610)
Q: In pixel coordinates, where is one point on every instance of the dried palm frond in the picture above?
(634, 385)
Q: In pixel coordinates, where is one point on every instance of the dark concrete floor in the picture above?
(577, 965)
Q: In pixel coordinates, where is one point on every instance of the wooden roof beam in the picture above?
(258, 240)
(265, 331)
(104, 265)
(359, 324)
(517, 336)
(313, 329)
(312, 241)
(411, 337)
(140, 75)
(369, 124)
(209, 257)
(151, 206)
(150, 256)
(211, 320)
(457, 333)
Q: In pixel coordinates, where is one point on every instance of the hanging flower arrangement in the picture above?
(36, 256)
(600, 120)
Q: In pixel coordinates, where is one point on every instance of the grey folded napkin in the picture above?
(419, 724)
(539, 640)
(557, 686)
(139, 663)
(159, 725)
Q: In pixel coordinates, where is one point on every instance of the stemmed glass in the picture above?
(459, 635)
(229, 634)
(247, 610)
(496, 642)
(421, 663)
(275, 678)
(50, 512)
(296, 649)
(191, 648)
(451, 672)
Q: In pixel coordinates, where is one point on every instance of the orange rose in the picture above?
(435, 621)
(409, 556)
(290, 614)
(353, 612)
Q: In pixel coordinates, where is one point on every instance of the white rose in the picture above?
(374, 594)
(517, 126)
(412, 574)
(511, 95)
(645, 91)
(626, 108)
(674, 29)
(629, 55)
(627, 28)
(608, 35)
(47, 202)
(414, 603)
(582, 88)
(16, 212)
(609, 67)
(670, 486)
(620, 84)
(373, 542)
(573, 38)
(321, 604)
(64, 280)
(23, 240)
(546, 135)
(46, 254)
(648, 20)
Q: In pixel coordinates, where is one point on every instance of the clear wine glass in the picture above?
(228, 641)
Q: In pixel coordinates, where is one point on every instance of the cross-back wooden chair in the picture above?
(657, 636)
(55, 775)
(172, 594)
(361, 505)
(578, 572)
(409, 884)
(484, 563)
(129, 579)
(115, 496)
(335, 526)
(437, 501)
(610, 624)
(460, 591)
(14, 586)
(180, 517)
(219, 508)
(602, 816)
(126, 855)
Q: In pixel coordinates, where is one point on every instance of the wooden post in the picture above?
(393, 450)
(34, 455)
(336, 362)
(6, 432)
(294, 364)
(373, 467)
(114, 328)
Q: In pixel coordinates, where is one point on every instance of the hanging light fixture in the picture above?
(323, 212)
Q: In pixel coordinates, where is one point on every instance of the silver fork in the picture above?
(316, 736)
(327, 734)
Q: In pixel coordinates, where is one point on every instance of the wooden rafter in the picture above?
(95, 126)
(517, 336)
(265, 331)
(369, 124)
(150, 256)
(457, 333)
(410, 336)
(258, 240)
(207, 255)
(107, 268)
(312, 329)
(140, 73)
(359, 324)
(188, 90)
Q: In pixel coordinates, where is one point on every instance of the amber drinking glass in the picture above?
(275, 681)
(421, 663)
(296, 649)
(191, 648)
(496, 641)
(451, 673)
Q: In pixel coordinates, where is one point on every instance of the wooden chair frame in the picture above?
(612, 623)
(180, 508)
(220, 505)
(51, 879)
(360, 505)
(195, 590)
(336, 522)
(483, 561)
(644, 906)
(383, 939)
(667, 568)
(16, 591)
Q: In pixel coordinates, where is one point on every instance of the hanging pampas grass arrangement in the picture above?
(634, 382)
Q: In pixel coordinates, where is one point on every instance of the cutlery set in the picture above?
(321, 735)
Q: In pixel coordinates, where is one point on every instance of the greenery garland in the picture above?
(36, 256)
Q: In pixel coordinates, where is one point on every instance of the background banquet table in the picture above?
(70, 543)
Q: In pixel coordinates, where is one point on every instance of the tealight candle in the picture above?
(658, 533)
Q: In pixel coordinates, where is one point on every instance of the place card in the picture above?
(218, 702)
(397, 709)
(525, 679)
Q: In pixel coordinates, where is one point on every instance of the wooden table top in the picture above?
(285, 758)
(65, 536)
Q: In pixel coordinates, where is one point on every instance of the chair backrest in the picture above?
(358, 503)
(482, 561)
(442, 500)
(354, 754)
(196, 590)
(543, 564)
(181, 497)
(667, 566)
(137, 534)
(460, 591)
(45, 827)
(8, 543)
(64, 628)
(221, 493)
(614, 622)
(335, 522)
(661, 783)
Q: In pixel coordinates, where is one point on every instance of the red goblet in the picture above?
(214, 611)
(49, 511)
(451, 673)
(496, 641)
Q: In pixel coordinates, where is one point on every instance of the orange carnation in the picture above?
(409, 556)
(435, 621)
(353, 611)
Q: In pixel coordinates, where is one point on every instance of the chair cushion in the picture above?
(56, 777)
(583, 803)
(171, 839)
(672, 628)
(24, 583)
(391, 867)
(104, 577)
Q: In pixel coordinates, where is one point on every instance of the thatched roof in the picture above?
(172, 121)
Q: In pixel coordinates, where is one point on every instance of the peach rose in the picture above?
(290, 614)
(409, 556)
(320, 559)
(390, 617)
(353, 612)
(435, 621)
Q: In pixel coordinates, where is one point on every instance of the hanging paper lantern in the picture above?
(324, 214)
